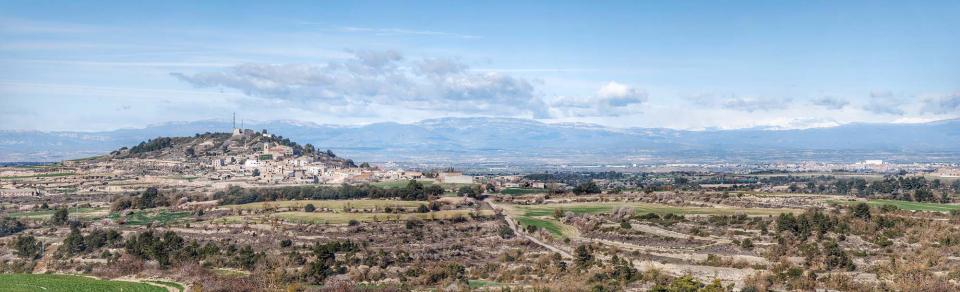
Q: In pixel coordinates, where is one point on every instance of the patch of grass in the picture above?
(548, 225)
(161, 217)
(905, 205)
(336, 205)
(521, 191)
(55, 283)
(83, 213)
(232, 273)
(475, 284)
(174, 285)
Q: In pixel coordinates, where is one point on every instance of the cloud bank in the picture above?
(382, 78)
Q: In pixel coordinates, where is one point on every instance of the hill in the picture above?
(221, 144)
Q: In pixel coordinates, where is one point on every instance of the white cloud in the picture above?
(382, 78)
(753, 104)
(946, 104)
(611, 99)
(884, 103)
(830, 102)
(618, 95)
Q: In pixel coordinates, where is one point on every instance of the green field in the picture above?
(83, 213)
(336, 205)
(54, 283)
(521, 191)
(542, 215)
(644, 208)
(550, 225)
(343, 218)
(905, 205)
(161, 217)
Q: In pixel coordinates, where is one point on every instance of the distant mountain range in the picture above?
(505, 140)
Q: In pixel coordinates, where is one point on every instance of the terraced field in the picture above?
(521, 191)
(335, 205)
(161, 217)
(56, 283)
(643, 208)
(541, 216)
(904, 205)
(82, 213)
(343, 218)
(53, 174)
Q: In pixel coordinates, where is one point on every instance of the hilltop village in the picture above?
(210, 161)
(254, 211)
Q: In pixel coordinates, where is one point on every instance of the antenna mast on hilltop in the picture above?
(234, 120)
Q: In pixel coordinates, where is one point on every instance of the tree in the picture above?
(836, 258)
(28, 247)
(60, 217)
(587, 188)
(470, 191)
(10, 226)
(423, 209)
(309, 208)
(862, 211)
(923, 195)
(364, 165)
(506, 232)
(149, 198)
(582, 257)
(74, 243)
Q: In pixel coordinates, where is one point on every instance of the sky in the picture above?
(99, 65)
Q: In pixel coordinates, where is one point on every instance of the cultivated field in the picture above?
(643, 208)
(334, 205)
(344, 218)
(904, 205)
(68, 283)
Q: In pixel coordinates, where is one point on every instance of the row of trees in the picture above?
(916, 188)
(413, 191)
(150, 198)
(152, 145)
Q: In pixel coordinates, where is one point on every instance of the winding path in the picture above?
(517, 231)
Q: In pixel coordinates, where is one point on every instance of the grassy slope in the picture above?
(84, 213)
(905, 205)
(54, 283)
(161, 217)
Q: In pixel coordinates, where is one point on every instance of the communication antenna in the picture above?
(234, 120)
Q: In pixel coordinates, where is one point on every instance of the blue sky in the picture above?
(674, 64)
